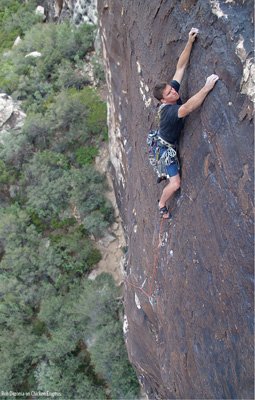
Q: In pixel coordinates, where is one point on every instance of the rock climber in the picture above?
(171, 120)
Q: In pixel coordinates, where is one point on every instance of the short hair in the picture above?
(158, 90)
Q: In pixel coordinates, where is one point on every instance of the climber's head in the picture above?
(165, 93)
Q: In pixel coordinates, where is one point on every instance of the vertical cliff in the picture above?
(189, 291)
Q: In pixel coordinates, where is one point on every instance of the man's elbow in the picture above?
(183, 111)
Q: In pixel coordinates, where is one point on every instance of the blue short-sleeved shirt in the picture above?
(170, 125)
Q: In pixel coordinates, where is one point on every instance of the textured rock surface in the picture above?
(78, 11)
(11, 117)
(188, 301)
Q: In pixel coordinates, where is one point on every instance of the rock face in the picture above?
(189, 291)
(12, 118)
(78, 11)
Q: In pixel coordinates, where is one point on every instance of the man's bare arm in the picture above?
(195, 101)
(184, 57)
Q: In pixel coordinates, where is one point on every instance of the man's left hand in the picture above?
(193, 34)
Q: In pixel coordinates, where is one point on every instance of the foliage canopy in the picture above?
(59, 331)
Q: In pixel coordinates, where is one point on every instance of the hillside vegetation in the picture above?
(59, 331)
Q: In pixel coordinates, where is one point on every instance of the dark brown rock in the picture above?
(188, 302)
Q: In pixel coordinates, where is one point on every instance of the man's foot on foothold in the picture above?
(164, 212)
(161, 178)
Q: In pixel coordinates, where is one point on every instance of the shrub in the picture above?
(15, 19)
(51, 314)
(68, 75)
(81, 110)
(6, 175)
(74, 252)
(68, 110)
(56, 223)
(38, 130)
(35, 79)
(15, 150)
(95, 210)
(55, 43)
(36, 221)
(9, 79)
(95, 223)
(94, 257)
(110, 359)
(86, 155)
(48, 184)
(99, 307)
(69, 378)
(97, 112)
(33, 90)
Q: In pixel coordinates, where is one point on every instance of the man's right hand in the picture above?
(210, 81)
(193, 34)
(195, 101)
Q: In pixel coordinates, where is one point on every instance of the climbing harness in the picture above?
(161, 153)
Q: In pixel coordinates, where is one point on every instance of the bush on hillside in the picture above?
(68, 75)
(16, 18)
(100, 307)
(35, 79)
(86, 155)
(59, 331)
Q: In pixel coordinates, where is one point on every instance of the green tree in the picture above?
(6, 175)
(97, 113)
(36, 79)
(15, 150)
(59, 331)
(16, 363)
(88, 187)
(48, 184)
(38, 130)
(68, 75)
(75, 251)
(69, 378)
(86, 155)
(100, 307)
(15, 19)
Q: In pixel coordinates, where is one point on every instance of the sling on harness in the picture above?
(161, 153)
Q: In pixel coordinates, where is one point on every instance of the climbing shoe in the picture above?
(161, 178)
(164, 212)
